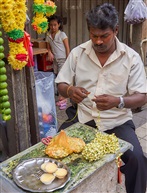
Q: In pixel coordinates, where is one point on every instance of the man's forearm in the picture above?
(135, 100)
(63, 89)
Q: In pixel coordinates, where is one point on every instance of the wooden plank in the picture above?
(32, 106)
(18, 129)
(30, 13)
(37, 51)
(79, 29)
(86, 7)
(137, 37)
(65, 17)
(72, 29)
(144, 37)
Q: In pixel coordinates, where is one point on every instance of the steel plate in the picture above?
(26, 175)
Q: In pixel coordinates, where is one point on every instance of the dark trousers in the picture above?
(135, 168)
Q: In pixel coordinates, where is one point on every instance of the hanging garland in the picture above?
(42, 10)
(5, 109)
(13, 18)
(50, 8)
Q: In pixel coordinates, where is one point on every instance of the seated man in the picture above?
(114, 75)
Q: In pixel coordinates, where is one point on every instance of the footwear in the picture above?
(63, 107)
(58, 103)
(61, 104)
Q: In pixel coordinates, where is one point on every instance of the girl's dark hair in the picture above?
(103, 16)
(58, 19)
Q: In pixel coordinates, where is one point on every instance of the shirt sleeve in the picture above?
(47, 37)
(63, 35)
(137, 78)
(67, 72)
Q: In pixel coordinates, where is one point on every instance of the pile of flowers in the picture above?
(13, 18)
(42, 9)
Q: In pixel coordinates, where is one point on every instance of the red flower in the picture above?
(35, 27)
(21, 57)
(17, 41)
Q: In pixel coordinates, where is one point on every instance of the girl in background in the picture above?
(58, 49)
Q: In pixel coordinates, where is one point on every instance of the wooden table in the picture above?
(86, 176)
(37, 51)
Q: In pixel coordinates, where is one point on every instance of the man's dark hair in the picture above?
(58, 19)
(103, 16)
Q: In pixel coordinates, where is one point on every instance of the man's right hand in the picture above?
(77, 94)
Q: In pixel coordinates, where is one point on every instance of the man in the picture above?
(114, 76)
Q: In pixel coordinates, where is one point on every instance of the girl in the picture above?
(58, 48)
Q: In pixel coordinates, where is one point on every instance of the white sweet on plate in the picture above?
(47, 178)
(50, 167)
(60, 173)
(43, 166)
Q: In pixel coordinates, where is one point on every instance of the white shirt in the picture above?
(57, 44)
(123, 74)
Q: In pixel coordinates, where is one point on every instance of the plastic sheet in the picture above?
(135, 12)
(46, 103)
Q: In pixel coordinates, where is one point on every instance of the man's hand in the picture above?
(105, 102)
(77, 94)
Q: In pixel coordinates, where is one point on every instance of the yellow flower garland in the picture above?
(13, 17)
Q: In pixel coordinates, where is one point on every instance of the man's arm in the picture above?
(77, 94)
(105, 102)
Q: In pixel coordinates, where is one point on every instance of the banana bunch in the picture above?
(4, 98)
(100, 146)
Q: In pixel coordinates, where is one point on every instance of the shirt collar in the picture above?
(120, 48)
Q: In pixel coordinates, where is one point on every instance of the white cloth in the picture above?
(57, 44)
(122, 74)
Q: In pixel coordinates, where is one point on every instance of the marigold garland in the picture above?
(13, 17)
(42, 10)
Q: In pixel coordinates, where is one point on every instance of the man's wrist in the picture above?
(67, 91)
(121, 104)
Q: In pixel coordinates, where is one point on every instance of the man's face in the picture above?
(103, 40)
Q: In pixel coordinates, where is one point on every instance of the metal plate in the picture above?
(26, 175)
